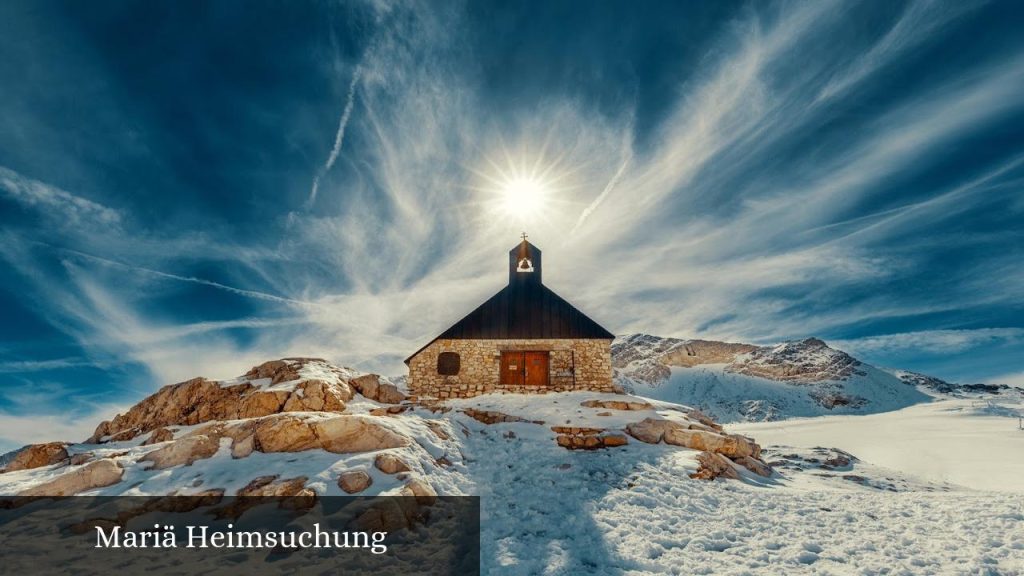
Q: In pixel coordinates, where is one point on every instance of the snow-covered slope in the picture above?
(631, 509)
(742, 382)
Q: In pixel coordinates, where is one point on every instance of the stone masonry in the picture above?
(583, 364)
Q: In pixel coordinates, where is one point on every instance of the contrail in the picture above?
(192, 279)
(339, 138)
(604, 194)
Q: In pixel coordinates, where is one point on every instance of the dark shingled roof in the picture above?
(525, 309)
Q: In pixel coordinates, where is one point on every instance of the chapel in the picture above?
(524, 339)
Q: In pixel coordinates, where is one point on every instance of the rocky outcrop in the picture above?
(354, 481)
(182, 452)
(93, 475)
(260, 392)
(390, 464)
(699, 437)
(340, 434)
(654, 430)
(38, 455)
(713, 466)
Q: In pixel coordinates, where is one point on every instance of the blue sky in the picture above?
(189, 188)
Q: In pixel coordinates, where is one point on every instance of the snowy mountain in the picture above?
(743, 382)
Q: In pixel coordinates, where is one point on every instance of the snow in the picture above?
(972, 442)
(731, 397)
(634, 510)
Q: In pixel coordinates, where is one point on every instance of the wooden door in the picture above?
(536, 368)
(512, 368)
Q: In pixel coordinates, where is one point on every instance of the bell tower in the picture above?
(524, 264)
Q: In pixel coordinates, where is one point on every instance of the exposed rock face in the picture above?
(806, 361)
(354, 481)
(714, 466)
(38, 455)
(93, 475)
(200, 400)
(182, 452)
(390, 464)
(648, 359)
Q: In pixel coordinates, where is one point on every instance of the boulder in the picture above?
(652, 431)
(285, 434)
(354, 433)
(649, 430)
(714, 466)
(390, 464)
(367, 385)
(159, 435)
(182, 452)
(354, 481)
(421, 490)
(79, 479)
(38, 455)
(371, 386)
(731, 445)
(243, 448)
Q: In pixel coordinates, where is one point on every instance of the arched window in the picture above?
(448, 363)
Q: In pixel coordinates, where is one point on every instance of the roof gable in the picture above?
(524, 310)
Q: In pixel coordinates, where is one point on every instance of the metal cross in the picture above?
(524, 236)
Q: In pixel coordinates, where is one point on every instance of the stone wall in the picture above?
(584, 364)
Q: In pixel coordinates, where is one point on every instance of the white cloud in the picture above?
(933, 341)
(58, 205)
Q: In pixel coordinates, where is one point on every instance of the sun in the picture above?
(524, 196)
(520, 189)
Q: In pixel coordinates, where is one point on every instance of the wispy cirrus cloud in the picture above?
(751, 192)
